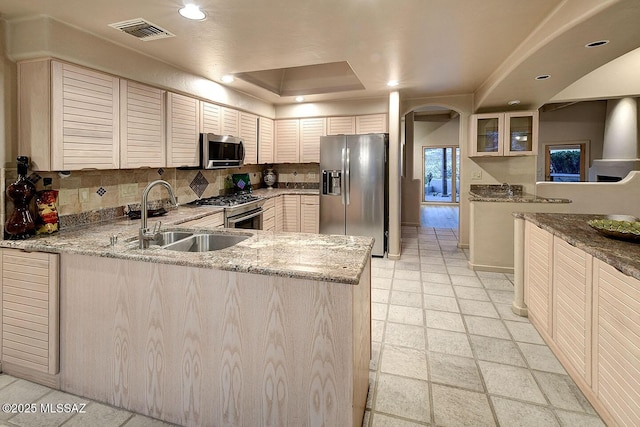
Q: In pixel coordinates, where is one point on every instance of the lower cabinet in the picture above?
(269, 215)
(293, 213)
(215, 220)
(30, 314)
(538, 270)
(310, 214)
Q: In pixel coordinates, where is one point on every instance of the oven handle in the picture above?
(252, 214)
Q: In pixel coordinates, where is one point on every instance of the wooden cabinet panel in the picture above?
(265, 141)
(229, 121)
(182, 131)
(30, 307)
(572, 294)
(309, 214)
(269, 215)
(341, 125)
(215, 220)
(291, 212)
(210, 118)
(142, 127)
(287, 137)
(372, 123)
(249, 134)
(310, 132)
(279, 214)
(538, 271)
(616, 355)
(84, 118)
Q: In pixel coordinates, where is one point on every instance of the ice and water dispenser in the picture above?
(331, 180)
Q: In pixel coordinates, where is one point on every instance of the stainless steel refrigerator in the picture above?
(353, 187)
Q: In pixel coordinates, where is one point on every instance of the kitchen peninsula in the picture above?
(275, 330)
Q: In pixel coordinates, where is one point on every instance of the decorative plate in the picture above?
(616, 229)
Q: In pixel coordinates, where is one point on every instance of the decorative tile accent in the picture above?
(160, 171)
(101, 191)
(34, 178)
(199, 184)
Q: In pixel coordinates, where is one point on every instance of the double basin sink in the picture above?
(185, 241)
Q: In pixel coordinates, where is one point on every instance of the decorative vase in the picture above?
(20, 223)
(270, 177)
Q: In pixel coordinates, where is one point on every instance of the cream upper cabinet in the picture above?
(309, 214)
(504, 134)
(229, 121)
(372, 123)
(341, 125)
(265, 140)
(182, 130)
(287, 137)
(68, 116)
(249, 133)
(310, 132)
(142, 127)
(210, 118)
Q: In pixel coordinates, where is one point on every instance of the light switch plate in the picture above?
(128, 189)
(84, 194)
(476, 175)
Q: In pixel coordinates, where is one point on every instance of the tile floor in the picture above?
(447, 351)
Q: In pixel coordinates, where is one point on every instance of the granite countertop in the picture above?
(573, 228)
(329, 258)
(510, 194)
(268, 193)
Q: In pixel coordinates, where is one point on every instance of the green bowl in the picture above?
(616, 229)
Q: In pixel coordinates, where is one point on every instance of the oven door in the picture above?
(251, 220)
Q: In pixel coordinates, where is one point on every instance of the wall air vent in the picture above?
(142, 29)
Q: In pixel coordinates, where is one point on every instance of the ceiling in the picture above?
(491, 48)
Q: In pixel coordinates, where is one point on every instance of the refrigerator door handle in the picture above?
(343, 178)
(348, 177)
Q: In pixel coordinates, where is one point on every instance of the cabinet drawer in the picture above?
(270, 203)
(269, 213)
(310, 200)
(269, 224)
(215, 220)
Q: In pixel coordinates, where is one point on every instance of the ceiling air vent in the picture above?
(142, 29)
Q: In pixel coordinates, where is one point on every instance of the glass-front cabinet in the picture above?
(504, 134)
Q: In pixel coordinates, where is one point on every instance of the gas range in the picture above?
(226, 200)
(241, 210)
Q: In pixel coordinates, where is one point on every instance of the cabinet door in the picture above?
(215, 220)
(538, 270)
(182, 131)
(30, 311)
(341, 125)
(616, 328)
(265, 140)
(372, 123)
(269, 215)
(287, 141)
(291, 212)
(310, 132)
(572, 295)
(229, 121)
(279, 213)
(309, 214)
(85, 118)
(249, 134)
(142, 128)
(486, 134)
(210, 118)
(521, 133)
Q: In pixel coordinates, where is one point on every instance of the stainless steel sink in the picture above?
(205, 242)
(168, 237)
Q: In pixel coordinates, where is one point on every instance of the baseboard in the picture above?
(493, 268)
(394, 257)
(52, 381)
(463, 245)
(410, 224)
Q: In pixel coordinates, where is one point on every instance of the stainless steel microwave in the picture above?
(220, 151)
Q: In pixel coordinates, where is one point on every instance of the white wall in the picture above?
(333, 108)
(433, 134)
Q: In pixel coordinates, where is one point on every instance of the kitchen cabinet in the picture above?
(269, 215)
(215, 220)
(30, 314)
(265, 140)
(572, 295)
(538, 274)
(248, 131)
(291, 212)
(504, 134)
(341, 125)
(210, 118)
(287, 141)
(310, 132)
(68, 116)
(142, 126)
(229, 121)
(309, 214)
(279, 213)
(372, 123)
(183, 125)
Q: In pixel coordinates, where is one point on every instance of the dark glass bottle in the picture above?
(20, 223)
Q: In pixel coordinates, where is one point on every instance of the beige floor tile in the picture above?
(433, 268)
(405, 335)
(541, 358)
(431, 259)
(409, 299)
(510, 381)
(379, 311)
(465, 292)
(380, 283)
(377, 330)
(5, 380)
(571, 419)
(440, 289)
(518, 414)
(436, 278)
(478, 308)
(497, 350)
(524, 332)
(405, 397)
(142, 421)
(382, 420)
(435, 253)
(456, 343)
(447, 404)
(52, 417)
(406, 315)
(382, 262)
(506, 313)
(20, 391)
(444, 320)
(563, 393)
(455, 371)
(499, 284)
(403, 361)
(500, 297)
(380, 295)
(406, 285)
(486, 326)
(406, 274)
(408, 265)
(490, 275)
(465, 281)
(98, 415)
(434, 302)
(385, 273)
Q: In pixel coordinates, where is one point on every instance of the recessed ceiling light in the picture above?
(392, 83)
(543, 77)
(299, 98)
(227, 78)
(191, 11)
(514, 102)
(596, 44)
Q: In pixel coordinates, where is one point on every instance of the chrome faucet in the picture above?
(145, 234)
(507, 187)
